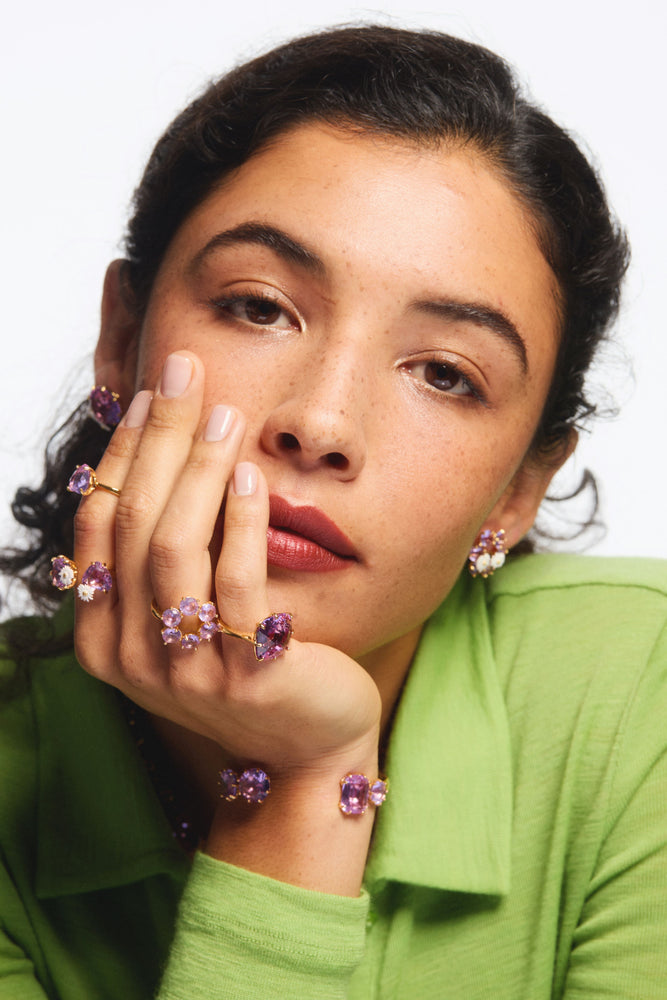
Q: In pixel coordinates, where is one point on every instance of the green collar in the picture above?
(447, 820)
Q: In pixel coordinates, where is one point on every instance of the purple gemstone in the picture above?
(354, 794)
(104, 406)
(190, 641)
(254, 785)
(98, 577)
(272, 636)
(229, 784)
(82, 480)
(189, 606)
(171, 636)
(378, 792)
(208, 611)
(171, 617)
(208, 630)
(63, 572)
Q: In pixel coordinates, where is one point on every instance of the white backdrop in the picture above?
(88, 87)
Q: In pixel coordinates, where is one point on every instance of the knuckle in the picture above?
(166, 419)
(132, 513)
(232, 583)
(204, 461)
(90, 518)
(242, 518)
(166, 551)
(121, 446)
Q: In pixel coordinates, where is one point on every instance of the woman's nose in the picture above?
(320, 426)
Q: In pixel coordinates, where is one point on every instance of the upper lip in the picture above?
(310, 522)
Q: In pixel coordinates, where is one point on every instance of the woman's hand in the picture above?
(313, 708)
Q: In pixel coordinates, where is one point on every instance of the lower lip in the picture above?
(289, 551)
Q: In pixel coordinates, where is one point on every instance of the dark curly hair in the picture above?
(421, 87)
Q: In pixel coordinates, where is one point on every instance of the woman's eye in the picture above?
(258, 311)
(446, 378)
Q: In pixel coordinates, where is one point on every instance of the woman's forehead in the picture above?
(366, 211)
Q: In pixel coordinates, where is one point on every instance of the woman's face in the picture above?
(385, 320)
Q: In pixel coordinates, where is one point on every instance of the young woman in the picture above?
(364, 281)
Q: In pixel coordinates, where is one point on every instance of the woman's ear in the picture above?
(517, 508)
(117, 347)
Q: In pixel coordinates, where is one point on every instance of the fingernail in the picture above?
(219, 423)
(245, 479)
(137, 411)
(176, 376)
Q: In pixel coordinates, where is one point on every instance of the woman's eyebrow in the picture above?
(296, 252)
(491, 319)
(262, 234)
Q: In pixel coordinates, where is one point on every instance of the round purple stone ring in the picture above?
(270, 639)
(83, 481)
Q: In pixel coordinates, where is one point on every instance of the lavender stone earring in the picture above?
(488, 553)
(103, 406)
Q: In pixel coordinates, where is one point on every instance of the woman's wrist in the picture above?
(298, 832)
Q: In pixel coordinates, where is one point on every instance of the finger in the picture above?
(96, 629)
(94, 521)
(180, 556)
(241, 571)
(158, 461)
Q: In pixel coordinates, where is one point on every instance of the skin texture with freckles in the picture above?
(394, 226)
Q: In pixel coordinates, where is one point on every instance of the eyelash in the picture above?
(470, 384)
(226, 305)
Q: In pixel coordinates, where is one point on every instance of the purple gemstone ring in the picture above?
(83, 481)
(204, 612)
(270, 639)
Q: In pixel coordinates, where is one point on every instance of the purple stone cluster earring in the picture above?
(103, 407)
(488, 553)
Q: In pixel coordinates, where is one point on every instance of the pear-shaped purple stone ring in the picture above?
(271, 637)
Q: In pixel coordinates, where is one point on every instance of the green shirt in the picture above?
(521, 854)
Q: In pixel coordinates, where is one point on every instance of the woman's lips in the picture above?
(303, 538)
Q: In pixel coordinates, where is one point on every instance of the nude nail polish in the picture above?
(245, 479)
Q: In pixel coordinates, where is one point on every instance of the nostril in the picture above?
(337, 461)
(289, 442)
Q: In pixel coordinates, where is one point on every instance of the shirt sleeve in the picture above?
(243, 935)
(619, 948)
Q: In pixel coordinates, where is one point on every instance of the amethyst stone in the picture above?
(208, 611)
(104, 407)
(254, 785)
(171, 617)
(190, 641)
(98, 577)
(208, 630)
(82, 480)
(229, 785)
(354, 794)
(171, 636)
(378, 792)
(272, 636)
(63, 572)
(189, 606)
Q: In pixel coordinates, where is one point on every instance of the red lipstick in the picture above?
(303, 538)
